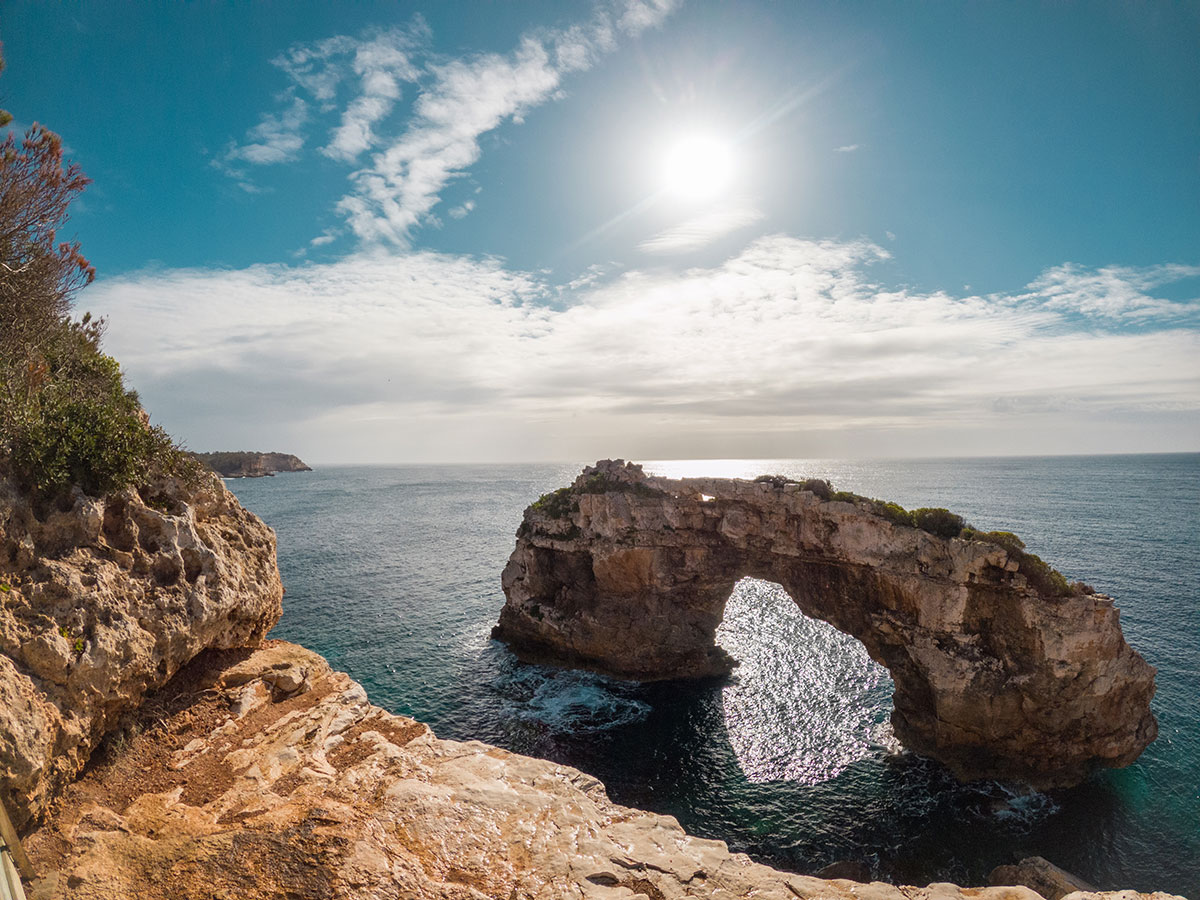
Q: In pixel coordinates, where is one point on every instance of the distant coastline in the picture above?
(251, 464)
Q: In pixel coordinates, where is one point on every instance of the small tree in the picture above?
(65, 415)
(38, 274)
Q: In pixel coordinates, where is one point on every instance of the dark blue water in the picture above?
(393, 573)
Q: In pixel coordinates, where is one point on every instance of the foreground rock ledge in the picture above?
(629, 574)
(264, 774)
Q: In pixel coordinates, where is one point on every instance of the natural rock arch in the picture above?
(996, 673)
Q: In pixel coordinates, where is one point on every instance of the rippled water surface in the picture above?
(393, 573)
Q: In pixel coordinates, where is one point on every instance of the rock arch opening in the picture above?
(997, 673)
(806, 700)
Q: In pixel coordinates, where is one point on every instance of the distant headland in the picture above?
(250, 464)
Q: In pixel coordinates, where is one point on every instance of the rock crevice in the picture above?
(995, 674)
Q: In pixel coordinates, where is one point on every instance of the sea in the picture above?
(393, 574)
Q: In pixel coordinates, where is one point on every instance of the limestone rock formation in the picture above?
(104, 600)
(996, 673)
(248, 464)
(265, 774)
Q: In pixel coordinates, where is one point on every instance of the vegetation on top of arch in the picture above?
(945, 524)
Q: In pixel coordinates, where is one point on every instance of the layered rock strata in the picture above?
(995, 675)
(104, 600)
(264, 774)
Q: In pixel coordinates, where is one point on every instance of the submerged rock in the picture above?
(102, 600)
(1000, 670)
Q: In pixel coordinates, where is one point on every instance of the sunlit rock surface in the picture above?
(629, 574)
(264, 774)
(103, 600)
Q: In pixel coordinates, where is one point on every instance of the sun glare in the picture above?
(697, 167)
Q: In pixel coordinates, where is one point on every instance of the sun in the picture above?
(697, 167)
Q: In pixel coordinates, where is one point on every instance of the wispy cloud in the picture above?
(847, 148)
(456, 102)
(701, 230)
(381, 64)
(786, 334)
(1115, 292)
(275, 139)
(466, 99)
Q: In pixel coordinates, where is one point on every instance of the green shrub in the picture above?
(893, 512)
(818, 486)
(556, 504)
(75, 424)
(938, 521)
(1005, 539)
(66, 418)
(1044, 578)
(599, 483)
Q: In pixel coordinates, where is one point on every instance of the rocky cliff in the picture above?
(246, 770)
(244, 464)
(104, 600)
(1000, 668)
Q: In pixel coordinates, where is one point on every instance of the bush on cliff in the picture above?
(66, 417)
(556, 504)
(938, 521)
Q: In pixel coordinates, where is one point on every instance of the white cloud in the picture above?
(275, 139)
(638, 15)
(457, 102)
(786, 337)
(1116, 292)
(466, 99)
(381, 64)
(462, 210)
(312, 67)
(848, 148)
(701, 230)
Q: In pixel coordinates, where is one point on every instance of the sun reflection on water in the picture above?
(807, 701)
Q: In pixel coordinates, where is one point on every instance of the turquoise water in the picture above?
(393, 573)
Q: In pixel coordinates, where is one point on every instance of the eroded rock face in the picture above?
(629, 575)
(237, 789)
(103, 600)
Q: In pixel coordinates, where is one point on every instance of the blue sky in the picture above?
(417, 232)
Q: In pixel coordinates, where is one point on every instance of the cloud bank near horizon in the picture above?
(785, 337)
